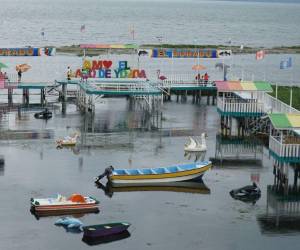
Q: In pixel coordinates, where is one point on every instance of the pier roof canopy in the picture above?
(232, 86)
(288, 121)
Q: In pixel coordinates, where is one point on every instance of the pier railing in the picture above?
(125, 88)
(170, 82)
(273, 105)
(284, 149)
(234, 105)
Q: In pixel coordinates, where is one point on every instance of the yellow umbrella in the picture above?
(198, 67)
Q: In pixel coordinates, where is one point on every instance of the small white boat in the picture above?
(60, 205)
(68, 141)
(195, 146)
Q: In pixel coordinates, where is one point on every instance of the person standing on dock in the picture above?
(206, 76)
(69, 73)
(19, 75)
(198, 77)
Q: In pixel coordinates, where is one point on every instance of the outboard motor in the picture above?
(107, 172)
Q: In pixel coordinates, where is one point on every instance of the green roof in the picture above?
(288, 121)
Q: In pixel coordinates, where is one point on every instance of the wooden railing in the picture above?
(234, 105)
(283, 149)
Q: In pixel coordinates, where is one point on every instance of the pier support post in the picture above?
(43, 96)
(200, 95)
(26, 96)
(64, 92)
(9, 96)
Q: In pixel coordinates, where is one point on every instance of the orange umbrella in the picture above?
(198, 67)
(23, 67)
(76, 198)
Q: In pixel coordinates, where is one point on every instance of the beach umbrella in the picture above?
(23, 67)
(198, 67)
(222, 66)
(162, 78)
(2, 65)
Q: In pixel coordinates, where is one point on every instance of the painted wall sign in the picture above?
(20, 52)
(184, 53)
(224, 53)
(104, 69)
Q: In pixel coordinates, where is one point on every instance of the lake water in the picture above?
(188, 22)
(181, 219)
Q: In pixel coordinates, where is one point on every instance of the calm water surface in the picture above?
(188, 22)
(210, 219)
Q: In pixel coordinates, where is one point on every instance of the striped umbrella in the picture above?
(198, 67)
(2, 65)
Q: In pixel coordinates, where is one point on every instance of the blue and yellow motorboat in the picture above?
(181, 172)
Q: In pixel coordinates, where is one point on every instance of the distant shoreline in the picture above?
(76, 50)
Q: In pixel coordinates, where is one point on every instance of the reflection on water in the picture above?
(26, 134)
(105, 239)
(283, 208)
(234, 150)
(195, 156)
(77, 214)
(2, 162)
(72, 230)
(184, 186)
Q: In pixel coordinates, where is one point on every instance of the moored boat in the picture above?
(92, 241)
(46, 114)
(60, 205)
(250, 193)
(195, 146)
(102, 230)
(181, 172)
(68, 141)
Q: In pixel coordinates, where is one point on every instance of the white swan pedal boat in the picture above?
(195, 146)
(183, 172)
(67, 141)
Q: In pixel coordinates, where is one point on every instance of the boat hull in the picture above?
(66, 144)
(195, 149)
(91, 241)
(93, 231)
(48, 207)
(192, 174)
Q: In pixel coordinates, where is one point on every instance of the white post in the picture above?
(291, 96)
(242, 73)
(276, 91)
(223, 68)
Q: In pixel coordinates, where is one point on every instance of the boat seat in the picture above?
(139, 171)
(179, 169)
(152, 172)
(167, 171)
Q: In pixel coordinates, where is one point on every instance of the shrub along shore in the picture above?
(76, 50)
